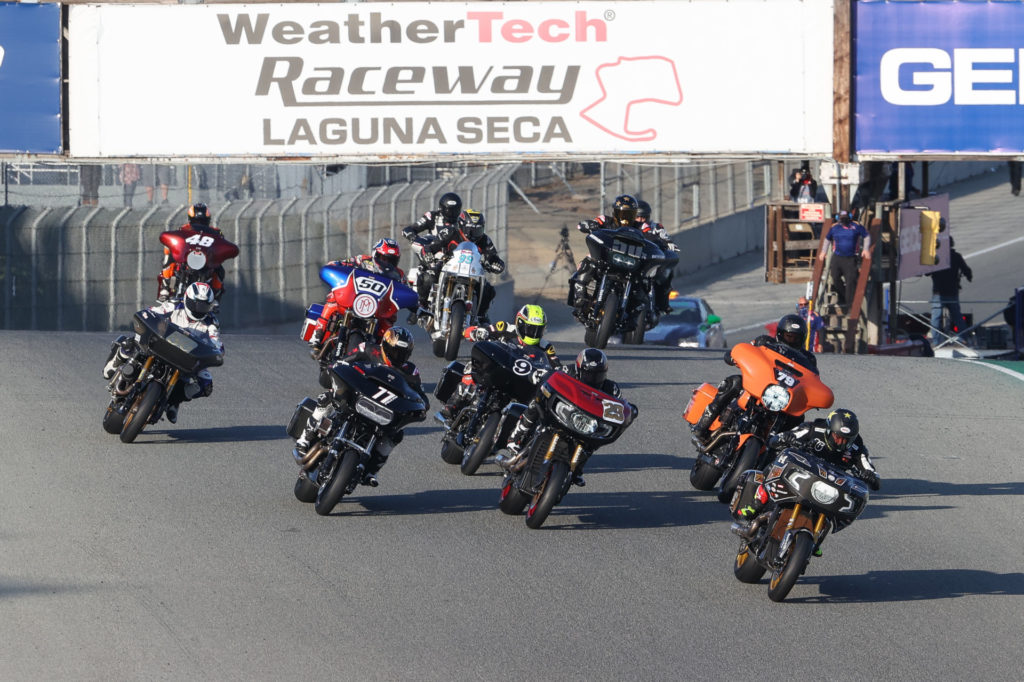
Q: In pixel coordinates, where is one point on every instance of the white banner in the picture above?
(437, 79)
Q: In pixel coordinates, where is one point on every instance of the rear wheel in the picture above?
(330, 494)
(513, 500)
(703, 476)
(607, 323)
(547, 498)
(456, 320)
(305, 489)
(747, 459)
(451, 453)
(140, 411)
(637, 335)
(745, 568)
(799, 554)
(113, 421)
(589, 336)
(475, 456)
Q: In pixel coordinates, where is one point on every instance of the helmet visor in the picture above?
(530, 334)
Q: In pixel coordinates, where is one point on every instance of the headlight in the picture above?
(690, 342)
(374, 412)
(624, 261)
(775, 398)
(574, 419)
(824, 493)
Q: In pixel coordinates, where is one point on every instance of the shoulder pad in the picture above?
(501, 325)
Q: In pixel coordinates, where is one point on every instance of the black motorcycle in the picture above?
(158, 357)
(505, 377)
(618, 299)
(371, 405)
(807, 498)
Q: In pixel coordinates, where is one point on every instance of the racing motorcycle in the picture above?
(161, 352)
(505, 378)
(198, 255)
(371, 405)
(575, 420)
(367, 302)
(775, 389)
(807, 497)
(454, 298)
(625, 263)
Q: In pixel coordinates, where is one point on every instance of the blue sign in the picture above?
(939, 77)
(30, 119)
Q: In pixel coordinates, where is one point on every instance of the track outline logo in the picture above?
(603, 116)
(1, 55)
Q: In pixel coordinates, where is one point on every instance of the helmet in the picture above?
(472, 224)
(198, 300)
(199, 215)
(592, 367)
(386, 254)
(643, 212)
(450, 206)
(624, 210)
(843, 427)
(396, 346)
(792, 331)
(530, 323)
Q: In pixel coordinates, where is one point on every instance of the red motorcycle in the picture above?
(198, 256)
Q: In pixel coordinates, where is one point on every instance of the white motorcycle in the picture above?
(454, 299)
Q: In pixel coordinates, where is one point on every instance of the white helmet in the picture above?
(198, 300)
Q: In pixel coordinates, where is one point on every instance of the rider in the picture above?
(525, 332)
(199, 219)
(656, 232)
(624, 211)
(468, 227)
(591, 367)
(194, 312)
(383, 261)
(394, 351)
(790, 335)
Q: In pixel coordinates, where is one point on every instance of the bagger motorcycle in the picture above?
(806, 498)
(162, 352)
(504, 378)
(624, 264)
(575, 420)
(371, 405)
(198, 256)
(367, 301)
(775, 390)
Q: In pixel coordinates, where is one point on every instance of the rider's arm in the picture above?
(862, 461)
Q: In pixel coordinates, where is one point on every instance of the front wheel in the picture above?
(745, 568)
(113, 421)
(547, 498)
(456, 320)
(783, 580)
(331, 492)
(513, 500)
(141, 411)
(747, 459)
(475, 456)
(606, 326)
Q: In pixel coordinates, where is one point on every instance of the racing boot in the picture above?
(118, 355)
(516, 439)
(702, 429)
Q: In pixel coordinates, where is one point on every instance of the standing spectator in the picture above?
(843, 237)
(130, 176)
(155, 175)
(89, 176)
(946, 292)
(804, 188)
(814, 324)
(1015, 167)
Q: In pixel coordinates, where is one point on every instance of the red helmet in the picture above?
(386, 254)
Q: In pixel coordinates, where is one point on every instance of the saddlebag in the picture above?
(701, 398)
(450, 378)
(309, 324)
(303, 412)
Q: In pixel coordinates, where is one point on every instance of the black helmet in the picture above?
(451, 206)
(643, 211)
(396, 346)
(792, 331)
(843, 427)
(624, 210)
(472, 224)
(592, 367)
(198, 216)
(844, 217)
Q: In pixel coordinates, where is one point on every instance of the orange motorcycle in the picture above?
(775, 390)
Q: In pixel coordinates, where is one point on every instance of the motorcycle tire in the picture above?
(451, 453)
(437, 347)
(783, 580)
(305, 489)
(607, 324)
(745, 567)
(455, 324)
(330, 493)
(589, 335)
(703, 476)
(548, 496)
(747, 459)
(513, 500)
(474, 457)
(113, 421)
(141, 411)
(636, 336)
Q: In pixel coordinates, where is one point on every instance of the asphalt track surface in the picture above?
(186, 556)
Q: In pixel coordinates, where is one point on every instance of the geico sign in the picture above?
(940, 77)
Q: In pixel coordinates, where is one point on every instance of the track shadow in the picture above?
(897, 586)
(222, 434)
(617, 463)
(909, 487)
(449, 501)
(634, 510)
(14, 590)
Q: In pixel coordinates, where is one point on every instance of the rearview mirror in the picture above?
(714, 319)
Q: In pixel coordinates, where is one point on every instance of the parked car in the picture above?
(691, 324)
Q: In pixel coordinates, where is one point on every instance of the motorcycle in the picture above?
(807, 497)
(624, 264)
(575, 420)
(371, 405)
(775, 389)
(367, 301)
(454, 298)
(505, 378)
(140, 387)
(198, 255)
